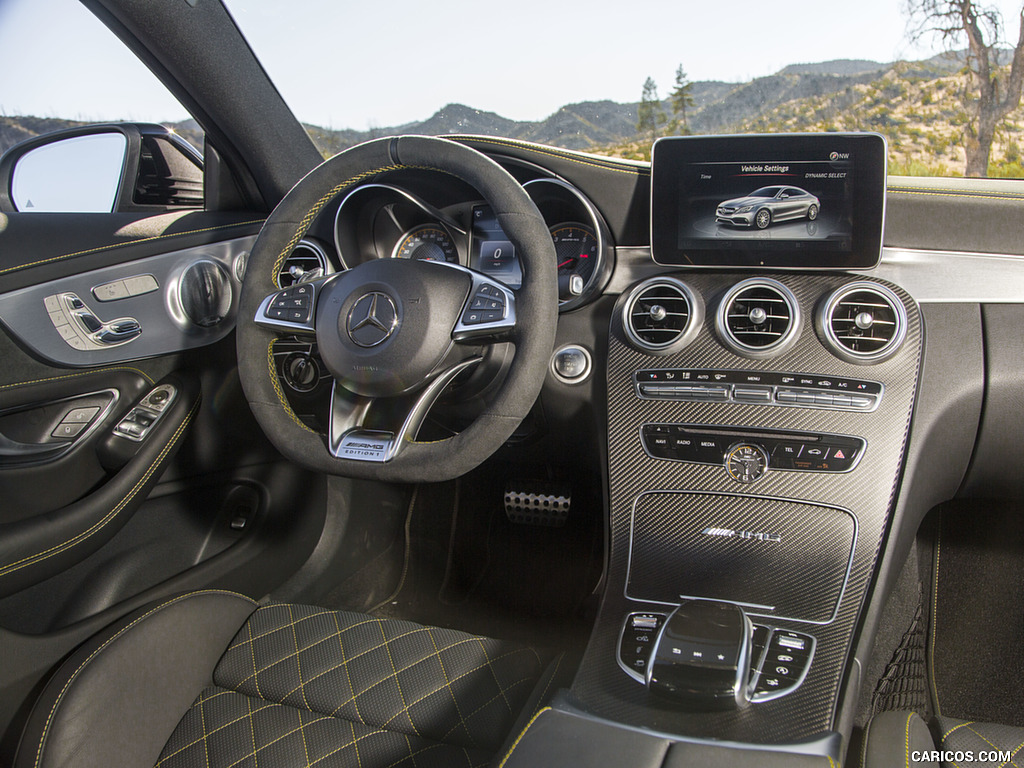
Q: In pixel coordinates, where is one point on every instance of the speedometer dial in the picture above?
(427, 243)
(576, 250)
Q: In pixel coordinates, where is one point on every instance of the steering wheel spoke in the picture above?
(292, 309)
(350, 437)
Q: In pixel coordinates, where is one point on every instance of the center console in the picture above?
(757, 422)
(759, 482)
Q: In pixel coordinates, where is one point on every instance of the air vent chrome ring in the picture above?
(662, 315)
(758, 318)
(862, 323)
(307, 257)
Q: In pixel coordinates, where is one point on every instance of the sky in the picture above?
(343, 64)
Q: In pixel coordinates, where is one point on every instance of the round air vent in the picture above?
(758, 318)
(662, 315)
(862, 323)
(307, 262)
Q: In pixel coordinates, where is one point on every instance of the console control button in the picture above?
(710, 445)
(639, 632)
(752, 394)
(801, 390)
(785, 664)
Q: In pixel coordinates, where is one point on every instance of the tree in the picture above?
(994, 90)
(650, 115)
(681, 98)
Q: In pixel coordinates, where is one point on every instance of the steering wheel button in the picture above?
(278, 313)
(297, 315)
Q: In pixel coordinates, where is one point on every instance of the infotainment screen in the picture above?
(802, 201)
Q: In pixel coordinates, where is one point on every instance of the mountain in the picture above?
(835, 67)
(915, 104)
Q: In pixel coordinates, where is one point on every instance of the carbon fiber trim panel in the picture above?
(868, 492)
(743, 549)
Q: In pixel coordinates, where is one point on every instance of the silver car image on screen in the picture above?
(768, 205)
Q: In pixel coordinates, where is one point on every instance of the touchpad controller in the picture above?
(707, 655)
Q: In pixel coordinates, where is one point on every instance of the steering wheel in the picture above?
(396, 329)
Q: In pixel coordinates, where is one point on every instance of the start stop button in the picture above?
(571, 364)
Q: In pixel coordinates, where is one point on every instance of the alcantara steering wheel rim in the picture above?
(532, 332)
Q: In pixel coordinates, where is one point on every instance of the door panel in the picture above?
(38, 546)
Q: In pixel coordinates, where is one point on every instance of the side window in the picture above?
(110, 138)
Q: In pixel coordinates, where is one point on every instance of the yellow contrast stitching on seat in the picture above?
(554, 672)
(983, 739)
(448, 685)
(1011, 761)
(487, 703)
(202, 721)
(907, 744)
(935, 616)
(348, 675)
(564, 156)
(316, 615)
(355, 743)
(519, 738)
(487, 658)
(311, 645)
(431, 693)
(302, 685)
(252, 731)
(398, 683)
(956, 728)
(94, 654)
(298, 660)
(221, 727)
(276, 382)
(94, 372)
(138, 241)
(255, 670)
(56, 549)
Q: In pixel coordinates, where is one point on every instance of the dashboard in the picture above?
(746, 410)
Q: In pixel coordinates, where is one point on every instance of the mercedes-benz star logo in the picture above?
(372, 319)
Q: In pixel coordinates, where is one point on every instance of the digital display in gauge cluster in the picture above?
(491, 251)
(796, 200)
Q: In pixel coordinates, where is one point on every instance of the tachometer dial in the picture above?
(576, 250)
(427, 243)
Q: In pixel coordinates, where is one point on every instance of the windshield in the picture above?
(607, 78)
(561, 74)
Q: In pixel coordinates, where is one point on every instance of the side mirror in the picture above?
(102, 169)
